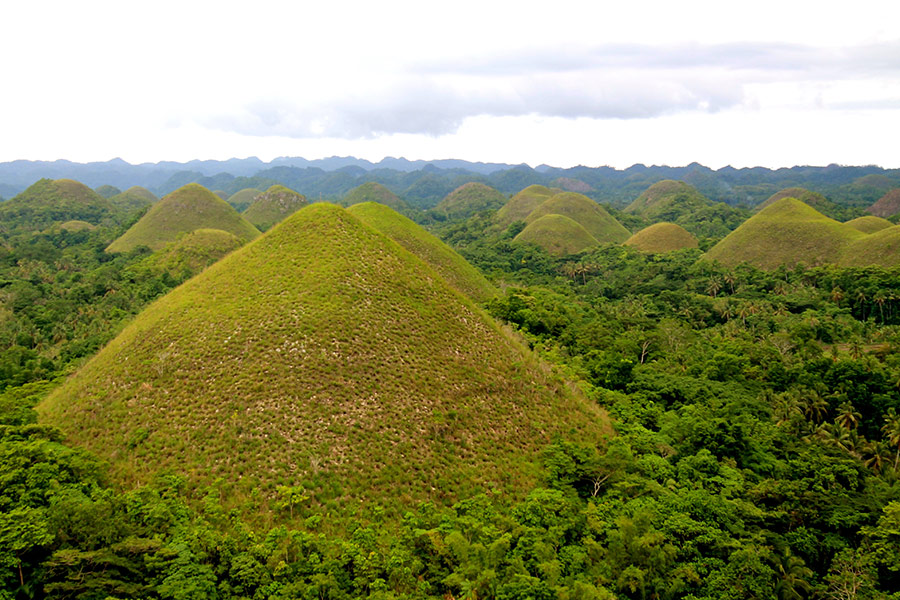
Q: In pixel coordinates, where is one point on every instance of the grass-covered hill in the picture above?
(47, 202)
(273, 206)
(373, 191)
(193, 252)
(446, 261)
(76, 225)
(468, 199)
(327, 356)
(572, 185)
(520, 206)
(814, 199)
(881, 249)
(132, 200)
(187, 209)
(869, 223)
(242, 199)
(557, 234)
(667, 200)
(787, 232)
(886, 206)
(107, 191)
(596, 221)
(662, 237)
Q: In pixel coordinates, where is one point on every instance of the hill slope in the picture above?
(667, 200)
(869, 224)
(375, 192)
(54, 201)
(786, 232)
(814, 199)
(242, 199)
(520, 206)
(193, 252)
(886, 206)
(468, 199)
(132, 200)
(584, 211)
(557, 234)
(444, 259)
(662, 237)
(323, 355)
(187, 209)
(273, 206)
(881, 249)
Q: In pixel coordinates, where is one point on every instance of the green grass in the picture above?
(47, 202)
(242, 199)
(557, 234)
(107, 191)
(787, 232)
(188, 208)
(193, 252)
(76, 225)
(325, 355)
(596, 221)
(375, 192)
(132, 200)
(469, 199)
(446, 261)
(273, 206)
(869, 224)
(881, 248)
(662, 237)
(667, 200)
(520, 206)
(886, 206)
(813, 199)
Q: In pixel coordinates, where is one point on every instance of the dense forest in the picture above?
(756, 451)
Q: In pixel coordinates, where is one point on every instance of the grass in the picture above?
(881, 248)
(76, 225)
(273, 206)
(520, 206)
(242, 199)
(442, 258)
(886, 206)
(667, 200)
(602, 226)
(469, 199)
(187, 209)
(787, 232)
(326, 355)
(557, 234)
(132, 200)
(54, 201)
(869, 224)
(662, 237)
(193, 252)
(572, 185)
(813, 199)
(375, 192)
(107, 191)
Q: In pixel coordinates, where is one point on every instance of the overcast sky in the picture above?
(562, 83)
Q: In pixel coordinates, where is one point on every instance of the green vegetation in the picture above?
(133, 200)
(557, 234)
(667, 200)
(869, 224)
(186, 209)
(813, 199)
(273, 206)
(520, 206)
(881, 248)
(242, 199)
(192, 252)
(76, 225)
(468, 199)
(584, 211)
(441, 257)
(47, 202)
(107, 191)
(662, 237)
(571, 185)
(375, 192)
(886, 206)
(787, 232)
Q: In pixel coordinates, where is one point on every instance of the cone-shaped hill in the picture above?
(193, 252)
(786, 232)
(132, 200)
(869, 224)
(241, 200)
(373, 191)
(442, 258)
(47, 202)
(273, 206)
(667, 200)
(325, 355)
(186, 209)
(557, 234)
(520, 206)
(587, 213)
(814, 199)
(881, 249)
(662, 237)
(468, 199)
(107, 191)
(886, 206)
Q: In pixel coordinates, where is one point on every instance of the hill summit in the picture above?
(468, 199)
(273, 205)
(187, 209)
(520, 206)
(54, 201)
(886, 206)
(584, 211)
(667, 200)
(662, 237)
(322, 355)
(373, 191)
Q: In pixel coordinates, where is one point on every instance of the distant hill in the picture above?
(107, 191)
(273, 205)
(324, 355)
(468, 199)
(520, 206)
(787, 232)
(667, 201)
(557, 234)
(193, 252)
(869, 224)
(571, 185)
(186, 209)
(814, 199)
(242, 199)
(452, 267)
(132, 200)
(886, 206)
(74, 226)
(662, 237)
(584, 211)
(47, 202)
(372, 191)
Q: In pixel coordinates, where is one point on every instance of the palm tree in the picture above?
(713, 286)
(793, 575)
(848, 417)
(891, 430)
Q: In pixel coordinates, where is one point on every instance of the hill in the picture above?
(75, 226)
(869, 224)
(584, 211)
(375, 192)
(557, 234)
(186, 209)
(881, 249)
(193, 252)
(571, 185)
(322, 355)
(107, 191)
(520, 206)
(662, 237)
(667, 200)
(132, 200)
(53, 201)
(242, 199)
(442, 258)
(886, 206)
(787, 232)
(814, 199)
(468, 199)
(273, 205)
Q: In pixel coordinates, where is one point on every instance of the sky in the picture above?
(560, 83)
